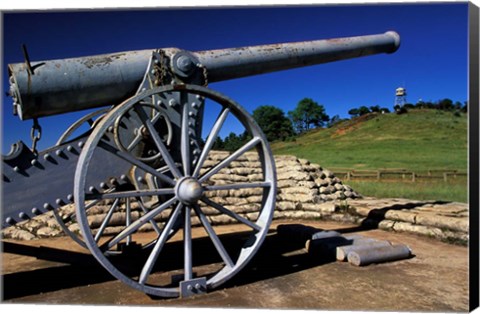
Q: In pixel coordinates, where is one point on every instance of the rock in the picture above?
(321, 182)
(328, 173)
(285, 206)
(401, 215)
(340, 195)
(439, 221)
(47, 232)
(17, 234)
(327, 189)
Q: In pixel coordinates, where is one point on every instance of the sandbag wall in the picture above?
(305, 191)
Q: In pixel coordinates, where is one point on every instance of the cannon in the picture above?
(144, 155)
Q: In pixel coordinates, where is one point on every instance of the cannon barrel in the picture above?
(59, 86)
(227, 64)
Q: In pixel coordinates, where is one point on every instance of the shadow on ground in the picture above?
(277, 257)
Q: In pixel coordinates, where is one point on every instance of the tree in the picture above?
(363, 110)
(232, 142)
(308, 113)
(445, 104)
(400, 109)
(273, 123)
(218, 144)
(354, 112)
(334, 120)
(375, 108)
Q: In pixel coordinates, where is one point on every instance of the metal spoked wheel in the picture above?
(186, 191)
(115, 205)
(65, 219)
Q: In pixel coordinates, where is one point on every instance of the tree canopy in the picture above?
(308, 113)
(273, 123)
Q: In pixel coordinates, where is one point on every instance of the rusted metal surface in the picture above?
(227, 64)
(67, 85)
(60, 86)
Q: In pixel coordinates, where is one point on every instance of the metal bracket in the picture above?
(193, 287)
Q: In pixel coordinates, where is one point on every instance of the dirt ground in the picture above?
(281, 276)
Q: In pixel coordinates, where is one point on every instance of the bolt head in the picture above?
(36, 211)
(22, 215)
(185, 64)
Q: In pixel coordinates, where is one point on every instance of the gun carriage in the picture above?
(144, 154)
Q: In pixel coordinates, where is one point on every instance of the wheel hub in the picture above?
(189, 190)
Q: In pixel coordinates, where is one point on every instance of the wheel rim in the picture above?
(185, 190)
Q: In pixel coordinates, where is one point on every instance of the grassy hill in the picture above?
(419, 140)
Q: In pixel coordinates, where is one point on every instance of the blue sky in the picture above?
(432, 61)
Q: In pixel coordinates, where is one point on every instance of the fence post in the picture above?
(445, 174)
(413, 176)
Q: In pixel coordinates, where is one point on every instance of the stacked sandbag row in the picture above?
(305, 190)
(447, 221)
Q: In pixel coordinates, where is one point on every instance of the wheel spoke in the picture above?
(128, 218)
(135, 162)
(213, 236)
(237, 186)
(230, 213)
(187, 245)
(227, 161)
(185, 140)
(106, 220)
(152, 258)
(211, 140)
(87, 207)
(138, 137)
(126, 194)
(158, 141)
(138, 223)
(151, 221)
(134, 143)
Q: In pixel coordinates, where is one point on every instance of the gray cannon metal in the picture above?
(144, 161)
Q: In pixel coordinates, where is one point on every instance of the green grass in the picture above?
(455, 191)
(417, 141)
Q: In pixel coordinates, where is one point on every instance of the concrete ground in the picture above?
(281, 276)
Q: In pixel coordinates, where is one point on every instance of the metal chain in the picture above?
(35, 135)
(163, 71)
(205, 74)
